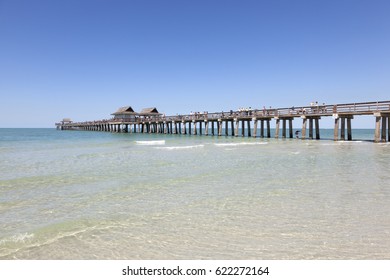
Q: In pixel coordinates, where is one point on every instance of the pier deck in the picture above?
(248, 120)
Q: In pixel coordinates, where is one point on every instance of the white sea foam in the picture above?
(180, 147)
(383, 143)
(349, 142)
(239, 144)
(151, 143)
(18, 238)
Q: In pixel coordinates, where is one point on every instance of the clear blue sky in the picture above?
(85, 58)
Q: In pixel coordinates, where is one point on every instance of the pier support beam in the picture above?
(268, 128)
(388, 128)
(219, 124)
(284, 129)
(195, 130)
(342, 132)
(317, 126)
(236, 128)
(255, 121)
(382, 126)
(184, 131)
(175, 126)
(377, 128)
(311, 128)
(303, 133)
(226, 128)
(262, 128)
(349, 128)
(336, 127)
(277, 127)
(206, 132)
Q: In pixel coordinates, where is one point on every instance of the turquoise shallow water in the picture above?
(97, 195)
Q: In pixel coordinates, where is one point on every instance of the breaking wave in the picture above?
(239, 144)
(180, 147)
(151, 143)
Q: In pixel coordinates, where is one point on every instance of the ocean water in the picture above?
(99, 195)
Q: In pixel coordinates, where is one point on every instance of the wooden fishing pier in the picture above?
(253, 122)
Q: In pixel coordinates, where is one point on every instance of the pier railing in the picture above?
(365, 108)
